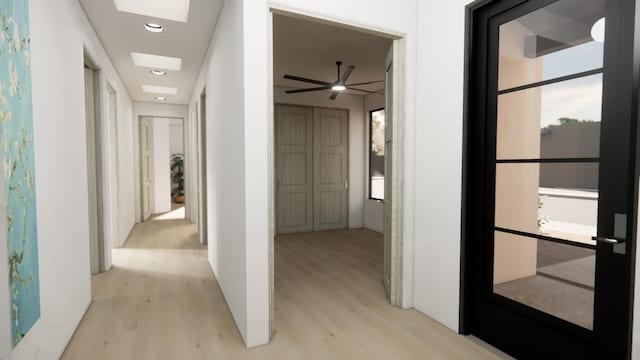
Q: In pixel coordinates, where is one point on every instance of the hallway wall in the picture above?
(223, 75)
(438, 159)
(59, 29)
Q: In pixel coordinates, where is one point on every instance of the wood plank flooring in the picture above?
(160, 301)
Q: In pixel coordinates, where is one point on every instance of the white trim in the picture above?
(341, 23)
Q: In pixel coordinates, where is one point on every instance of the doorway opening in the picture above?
(327, 78)
(162, 170)
(94, 175)
(102, 166)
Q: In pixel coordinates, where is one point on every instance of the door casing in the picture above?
(113, 164)
(202, 166)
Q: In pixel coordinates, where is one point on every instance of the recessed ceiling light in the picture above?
(161, 98)
(156, 28)
(158, 72)
(159, 89)
(176, 10)
(156, 61)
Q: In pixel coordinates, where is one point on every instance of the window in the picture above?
(376, 154)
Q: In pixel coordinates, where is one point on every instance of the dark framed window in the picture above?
(376, 154)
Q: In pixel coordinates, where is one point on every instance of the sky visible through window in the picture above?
(580, 98)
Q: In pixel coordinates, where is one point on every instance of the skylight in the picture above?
(176, 10)
(159, 89)
(156, 61)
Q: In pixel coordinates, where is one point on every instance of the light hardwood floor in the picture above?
(160, 301)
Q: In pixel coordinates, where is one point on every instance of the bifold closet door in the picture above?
(294, 169)
(331, 146)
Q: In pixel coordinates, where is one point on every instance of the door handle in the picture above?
(606, 240)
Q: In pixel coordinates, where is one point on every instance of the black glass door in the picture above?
(549, 177)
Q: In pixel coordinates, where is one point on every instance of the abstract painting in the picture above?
(16, 143)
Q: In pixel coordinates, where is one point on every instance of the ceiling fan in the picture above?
(337, 86)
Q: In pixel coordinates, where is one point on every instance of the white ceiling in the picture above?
(122, 33)
(306, 49)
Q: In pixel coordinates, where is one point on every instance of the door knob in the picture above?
(606, 240)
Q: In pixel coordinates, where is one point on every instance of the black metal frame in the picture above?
(370, 141)
(619, 169)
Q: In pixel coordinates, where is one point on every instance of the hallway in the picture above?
(160, 301)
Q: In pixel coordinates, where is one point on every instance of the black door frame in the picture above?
(621, 94)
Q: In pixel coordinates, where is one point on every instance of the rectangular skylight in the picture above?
(176, 10)
(159, 89)
(156, 61)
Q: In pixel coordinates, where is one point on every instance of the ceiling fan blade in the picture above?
(334, 95)
(366, 83)
(363, 90)
(347, 73)
(297, 78)
(307, 90)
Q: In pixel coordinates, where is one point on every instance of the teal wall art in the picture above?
(16, 140)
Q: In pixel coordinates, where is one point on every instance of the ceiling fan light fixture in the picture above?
(338, 87)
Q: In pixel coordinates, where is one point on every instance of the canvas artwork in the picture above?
(16, 141)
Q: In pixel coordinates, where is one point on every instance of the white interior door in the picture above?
(294, 169)
(145, 170)
(331, 169)
(113, 167)
(94, 246)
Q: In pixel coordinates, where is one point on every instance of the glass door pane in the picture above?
(548, 121)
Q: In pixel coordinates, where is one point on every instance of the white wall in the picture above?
(373, 209)
(161, 181)
(176, 137)
(61, 173)
(223, 75)
(357, 153)
(147, 109)
(438, 160)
